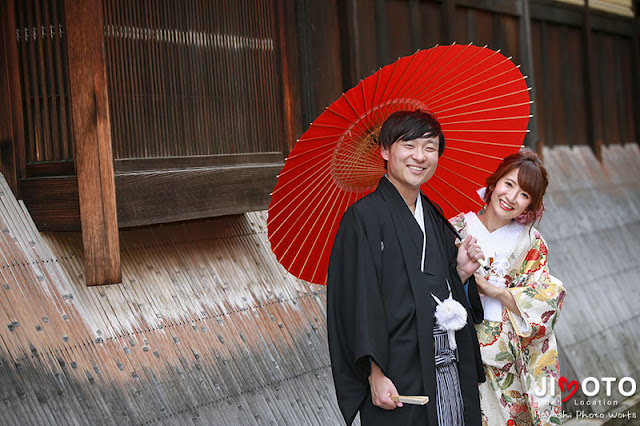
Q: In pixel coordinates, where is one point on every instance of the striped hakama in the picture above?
(448, 395)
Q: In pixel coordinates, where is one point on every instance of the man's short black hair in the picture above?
(410, 125)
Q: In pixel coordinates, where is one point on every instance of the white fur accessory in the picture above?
(451, 316)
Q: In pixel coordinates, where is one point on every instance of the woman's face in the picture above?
(508, 200)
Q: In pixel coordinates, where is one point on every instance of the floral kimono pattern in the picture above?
(520, 355)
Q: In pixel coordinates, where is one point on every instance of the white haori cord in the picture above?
(451, 316)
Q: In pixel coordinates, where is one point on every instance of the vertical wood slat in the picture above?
(48, 77)
(40, 65)
(61, 72)
(13, 153)
(24, 72)
(92, 136)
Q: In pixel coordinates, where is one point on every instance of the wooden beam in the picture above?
(92, 138)
(174, 195)
(147, 197)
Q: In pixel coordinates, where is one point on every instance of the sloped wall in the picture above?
(207, 328)
(592, 225)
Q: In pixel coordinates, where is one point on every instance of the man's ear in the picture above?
(385, 153)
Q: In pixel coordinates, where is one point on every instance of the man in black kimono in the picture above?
(382, 272)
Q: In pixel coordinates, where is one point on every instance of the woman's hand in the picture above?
(382, 388)
(499, 293)
(488, 289)
(468, 254)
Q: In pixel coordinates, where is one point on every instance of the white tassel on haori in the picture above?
(451, 316)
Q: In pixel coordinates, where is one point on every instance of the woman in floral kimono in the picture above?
(521, 299)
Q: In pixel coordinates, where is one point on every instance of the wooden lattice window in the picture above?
(192, 78)
(40, 35)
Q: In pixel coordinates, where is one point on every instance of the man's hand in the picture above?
(382, 388)
(468, 254)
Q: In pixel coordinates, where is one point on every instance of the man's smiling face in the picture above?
(411, 163)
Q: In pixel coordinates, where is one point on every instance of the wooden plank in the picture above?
(52, 202)
(565, 77)
(364, 28)
(449, 21)
(555, 91)
(526, 47)
(156, 196)
(634, 77)
(325, 55)
(12, 150)
(50, 169)
(382, 33)
(92, 137)
(484, 25)
(432, 24)
(587, 40)
(399, 39)
(576, 84)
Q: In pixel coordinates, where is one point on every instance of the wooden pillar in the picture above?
(92, 138)
(594, 143)
(532, 139)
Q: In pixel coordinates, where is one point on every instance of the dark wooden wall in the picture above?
(207, 98)
(573, 105)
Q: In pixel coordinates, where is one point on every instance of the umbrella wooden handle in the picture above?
(416, 400)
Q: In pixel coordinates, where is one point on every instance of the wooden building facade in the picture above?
(118, 114)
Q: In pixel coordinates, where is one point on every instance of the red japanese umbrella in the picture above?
(478, 95)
